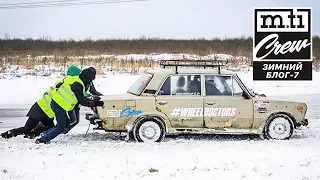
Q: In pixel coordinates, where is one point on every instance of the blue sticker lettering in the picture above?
(129, 112)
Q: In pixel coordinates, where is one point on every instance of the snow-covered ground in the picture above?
(100, 155)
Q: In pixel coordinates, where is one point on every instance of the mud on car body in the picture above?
(210, 100)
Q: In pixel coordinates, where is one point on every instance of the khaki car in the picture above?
(196, 100)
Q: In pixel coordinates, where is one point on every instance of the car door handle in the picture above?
(162, 102)
(210, 102)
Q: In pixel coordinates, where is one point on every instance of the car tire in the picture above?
(279, 127)
(129, 136)
(149, 129)
(262, 136)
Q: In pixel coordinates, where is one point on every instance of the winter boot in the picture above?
(39, 141)
(7, 135)
(31, 135)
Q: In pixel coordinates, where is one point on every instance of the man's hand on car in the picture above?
(98, 103)
(96, 97)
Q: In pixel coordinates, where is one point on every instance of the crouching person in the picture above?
(66, 99)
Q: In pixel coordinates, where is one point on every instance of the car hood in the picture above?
(123, 96)
(276, 98)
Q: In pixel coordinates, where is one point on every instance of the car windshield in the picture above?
(245, 86)
(141, 83)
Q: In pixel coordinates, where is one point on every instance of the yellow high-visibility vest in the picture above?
(64, 96)
(45, 100)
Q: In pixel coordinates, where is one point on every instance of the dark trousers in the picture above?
(62, 118)
(41, 127)
(33, 126)
(74, 119)
(30, 124)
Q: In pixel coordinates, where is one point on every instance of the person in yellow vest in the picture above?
(74, 115)
(68, 96)
(40, 115)
(92, 94)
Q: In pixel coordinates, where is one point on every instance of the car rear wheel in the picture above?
(149, 130)
(279, 126)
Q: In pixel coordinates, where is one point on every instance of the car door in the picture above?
(181, 100)
(224, 106)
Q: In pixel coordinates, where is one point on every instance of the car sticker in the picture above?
(198, 112)
(261, 106)
(129, 112)
(126, 112)
(113, 113)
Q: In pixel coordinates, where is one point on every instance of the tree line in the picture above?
(235, 46)
(242, 46)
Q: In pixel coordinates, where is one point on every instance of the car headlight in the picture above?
(300, 108)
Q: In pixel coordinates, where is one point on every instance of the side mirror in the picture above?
(245, 95)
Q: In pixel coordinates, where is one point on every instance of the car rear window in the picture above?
(140, 84)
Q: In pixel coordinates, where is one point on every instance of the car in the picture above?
(195, 96)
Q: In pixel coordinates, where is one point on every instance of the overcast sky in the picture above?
(155, 18)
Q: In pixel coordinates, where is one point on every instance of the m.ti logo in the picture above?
(282, 44)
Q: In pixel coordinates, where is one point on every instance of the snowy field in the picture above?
(100, 155)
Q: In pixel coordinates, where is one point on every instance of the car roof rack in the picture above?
(193, 63)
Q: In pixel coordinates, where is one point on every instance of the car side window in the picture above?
(218, 85)
(166, 87)
(181, 85)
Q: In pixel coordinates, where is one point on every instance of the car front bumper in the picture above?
(90, 117)
(95, 121)
(304, 122)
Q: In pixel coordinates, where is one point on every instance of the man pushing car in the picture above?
(67, 98)
(41, 115)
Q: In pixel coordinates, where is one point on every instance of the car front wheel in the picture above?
(279, 126)
(149, 130)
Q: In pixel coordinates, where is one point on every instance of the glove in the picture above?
(96, 97)
(90, 98)
(98, 103)
(97, 100)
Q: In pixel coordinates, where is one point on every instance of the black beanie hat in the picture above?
(88, 75)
